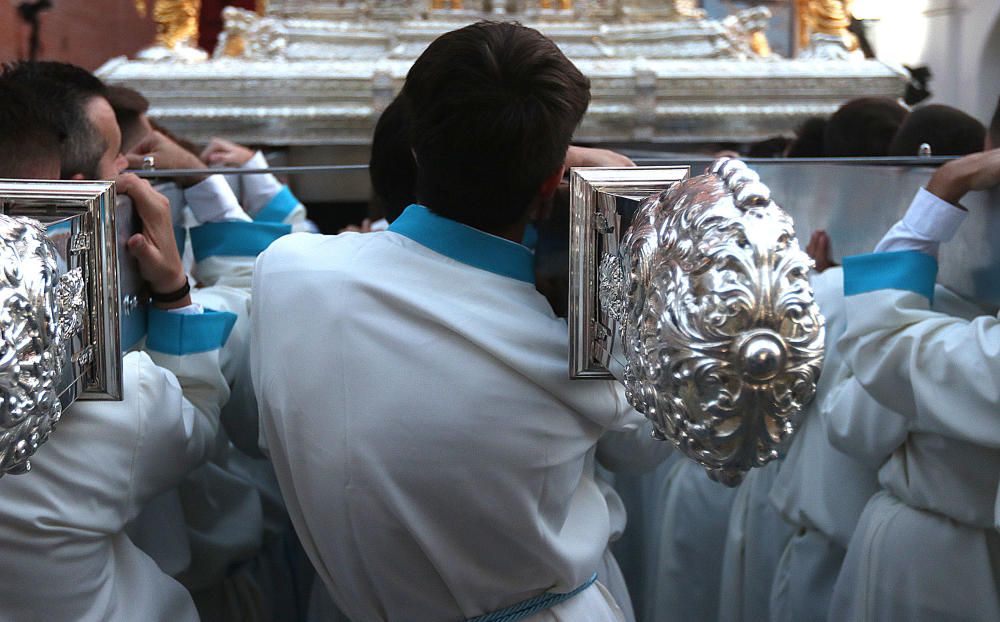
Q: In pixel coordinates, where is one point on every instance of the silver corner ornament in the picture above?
(59, 332)
(698, 299)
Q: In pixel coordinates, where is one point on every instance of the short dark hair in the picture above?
(27, 138)
(392, 169)
(995, 126)
(948, 131)
(863, 127)
(808, 141)
(492, 108)
(65, 90)
(129, 106)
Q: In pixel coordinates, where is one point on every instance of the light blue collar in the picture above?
(466, 244)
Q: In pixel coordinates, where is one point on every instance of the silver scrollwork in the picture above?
(722, 337)
(39, 312)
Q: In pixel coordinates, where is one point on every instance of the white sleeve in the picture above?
(939, 371)
(258, 189)
(212, 200)
(857, 425)
(632, 450)
(180, 399)
(928, 222)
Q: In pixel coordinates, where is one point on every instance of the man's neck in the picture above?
(514, 233)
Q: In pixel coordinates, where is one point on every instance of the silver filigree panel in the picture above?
(720, 340)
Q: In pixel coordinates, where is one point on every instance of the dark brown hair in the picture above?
(863, 127)
(492, 108)
(129, 106)
(64, 91)
(948, 131)
(28, 138)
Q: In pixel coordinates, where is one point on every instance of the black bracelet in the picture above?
(173, 296)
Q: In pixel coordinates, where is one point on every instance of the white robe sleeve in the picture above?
(213, 200)
(859, 426)
(181, 398)
(939, 371)
(226, 253)
(632, 451)
(268, 200)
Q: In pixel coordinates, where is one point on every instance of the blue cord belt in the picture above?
(531, 606)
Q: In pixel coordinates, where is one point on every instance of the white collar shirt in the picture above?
(415, 401)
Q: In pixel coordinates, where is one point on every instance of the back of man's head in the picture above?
(863, 128)
(994, 133)
(392, 170)
(65, 91)
(492, 108)
(948, 131)
(29, 142)
(808, 141)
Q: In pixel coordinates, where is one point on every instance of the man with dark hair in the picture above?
(948, 131)
(69, 96)
(137, 451)
(497, 111)
(436, 460)
(29, 142)
(863, 128)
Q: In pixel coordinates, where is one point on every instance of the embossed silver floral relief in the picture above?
(722, 337)
(39, 312)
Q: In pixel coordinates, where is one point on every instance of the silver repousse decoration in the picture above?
(39, 312)
(722, 338)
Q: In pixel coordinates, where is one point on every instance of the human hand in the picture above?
(222, 152)
(166, 154)
(819, 250)
(589, 156)
(154, 247)
(978, 171)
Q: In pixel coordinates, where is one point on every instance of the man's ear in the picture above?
(551, 183)
(77, 177)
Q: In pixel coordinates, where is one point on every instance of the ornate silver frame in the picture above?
(79, 218)
(601, 203)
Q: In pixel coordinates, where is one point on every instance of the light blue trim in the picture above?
(279, 207)
(910, 271)
(179, 334)
(234, 238)
(531, 606)
(466, 244)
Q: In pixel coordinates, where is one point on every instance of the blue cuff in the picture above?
(910, 271)
(178, 334)
(234, 238)
(279, 207)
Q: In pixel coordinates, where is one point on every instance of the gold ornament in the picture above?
(827, 17)
(176, 22)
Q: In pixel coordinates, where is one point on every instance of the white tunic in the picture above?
(683, 580)
(755, 539)
(430, 446)
(65, 552)
(820, 489)
(926, 547)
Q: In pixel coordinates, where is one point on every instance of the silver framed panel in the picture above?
(602, 201)
(79, 220)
